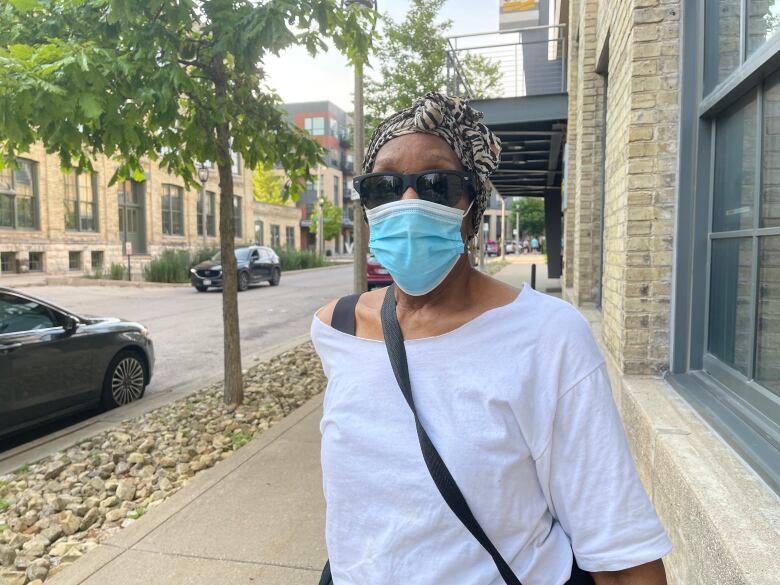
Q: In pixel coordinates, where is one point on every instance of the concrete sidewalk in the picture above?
(257, 518)
(519, 271)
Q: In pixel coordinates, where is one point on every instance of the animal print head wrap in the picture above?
(453, 120)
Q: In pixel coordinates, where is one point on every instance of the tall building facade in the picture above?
(672, 251)
(330, 126)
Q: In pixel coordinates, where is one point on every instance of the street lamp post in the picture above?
(360, 246)
(203, 176)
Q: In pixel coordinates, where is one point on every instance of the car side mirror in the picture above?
(70, 325)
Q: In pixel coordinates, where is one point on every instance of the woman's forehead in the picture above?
(416, 151)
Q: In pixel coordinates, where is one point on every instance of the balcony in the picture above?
(532, 61)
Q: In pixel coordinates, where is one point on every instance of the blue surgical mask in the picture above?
(418, 242)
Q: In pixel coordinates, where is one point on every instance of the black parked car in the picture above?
(54, 362)
(256, 264)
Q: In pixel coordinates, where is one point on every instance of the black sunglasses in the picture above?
(445, 187)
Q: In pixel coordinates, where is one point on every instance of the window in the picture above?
(315, 126)
(7, 261)
(172, 210)
(259, 233)
(74, 260)
(275, 240)
(206, 200)
(723, 41)
(35, 260)
(334, 127)
(336, 185)
(726, 308)
(289, 237)
(18, 314)
(237, 217)
(19, 195)
(97, 260)
(81, 201)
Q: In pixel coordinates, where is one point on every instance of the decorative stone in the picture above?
(7, 556)
(38, 569)
(116, 514)
(125, 490)
(12, 578)
(91, 517)
(69, 522)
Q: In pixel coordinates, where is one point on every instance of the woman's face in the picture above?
(412, 153)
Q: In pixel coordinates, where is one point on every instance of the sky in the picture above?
(300, 78)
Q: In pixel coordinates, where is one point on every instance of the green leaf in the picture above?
(91, 106)
(25, 5)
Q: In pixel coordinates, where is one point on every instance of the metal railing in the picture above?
(531, 61)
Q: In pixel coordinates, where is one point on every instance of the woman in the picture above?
(529, 432)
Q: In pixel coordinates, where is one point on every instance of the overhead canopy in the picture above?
(532, 130)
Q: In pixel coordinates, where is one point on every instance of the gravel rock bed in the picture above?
(55, 510)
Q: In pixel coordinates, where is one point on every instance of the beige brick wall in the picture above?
(640, 173)
(283, 216)
(56, 242)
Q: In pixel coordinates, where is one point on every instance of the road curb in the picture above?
(63, 439)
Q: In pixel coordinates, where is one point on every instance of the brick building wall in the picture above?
(55, 242)
(641, 38)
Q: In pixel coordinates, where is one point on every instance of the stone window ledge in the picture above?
(723, 519)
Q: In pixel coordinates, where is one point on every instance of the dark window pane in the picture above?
(770, 206)
(721, 41)
(768, 334)
(74, 260)
(71, 214)
(6, 210)
(25, 212)
(731, 287)
(7, 261)
(36, 261)
(735, 167)
(763, 18)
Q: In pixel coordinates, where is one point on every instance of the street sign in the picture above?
(128, 248)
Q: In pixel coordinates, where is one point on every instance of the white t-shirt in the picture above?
(519, 406)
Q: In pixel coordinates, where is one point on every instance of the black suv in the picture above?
(256, 264)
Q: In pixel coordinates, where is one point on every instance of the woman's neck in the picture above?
(451, 293)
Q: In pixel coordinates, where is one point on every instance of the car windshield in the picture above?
(241, 255)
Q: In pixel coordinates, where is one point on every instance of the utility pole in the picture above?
(361, 229)
(503, 227)
(320, 222)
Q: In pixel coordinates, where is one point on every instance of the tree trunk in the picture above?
(234, 388)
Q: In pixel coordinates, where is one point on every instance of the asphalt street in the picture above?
(186, 326)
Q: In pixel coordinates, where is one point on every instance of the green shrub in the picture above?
(117, 271)
(298, 259)
(202, 254)
(170, 266)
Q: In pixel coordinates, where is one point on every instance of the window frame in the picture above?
(289, 237)
(743, 412)
(12, 194)
(238, 217)
(208, 199)
(276, 241)
(167, 189)
(78, 201)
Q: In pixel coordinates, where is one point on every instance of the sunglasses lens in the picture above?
(378, 190)
(442, 188)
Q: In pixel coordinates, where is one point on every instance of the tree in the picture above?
(268, 187)
(332, 217)
(132, 79)
(412, 57)
(530, 211)
(483, 75)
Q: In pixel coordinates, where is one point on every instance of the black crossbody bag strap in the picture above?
(394, 341)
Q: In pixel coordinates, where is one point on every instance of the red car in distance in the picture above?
(378, 275)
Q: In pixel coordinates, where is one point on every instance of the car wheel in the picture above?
(201, 288)
(243, 281)
(276, 277)
(125, 380)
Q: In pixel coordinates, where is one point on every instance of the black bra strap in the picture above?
(344, 314)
